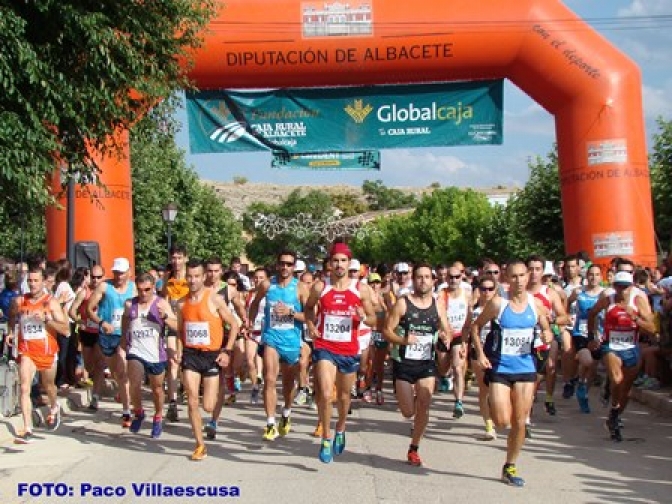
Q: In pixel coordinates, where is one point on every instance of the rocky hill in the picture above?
(238, 196)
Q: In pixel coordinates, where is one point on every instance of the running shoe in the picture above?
(582, 397)
(651, 384)
(339, 443)
(326, 454)
(285, 425)
(254, 396)
(137, 422)
(211, 429)
(550, 408)
(568, 390)
(236, 384)
(25, 437)
(270, 433)
(413, 458)
(491, 435)
(458, 411)
(157, 428)
(528, 431)
(614, 427)
(54, 419)
(301, 398)
(510, 476)
(199, 453)
(641, 379)
(93, 405)
(126, 420)
(230, 400)
(380, 399)
(171, 414)
(368, 396)
(444, 384)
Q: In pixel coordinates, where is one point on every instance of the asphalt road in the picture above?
(570, 459)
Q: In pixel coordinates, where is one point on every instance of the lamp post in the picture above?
(169, 214)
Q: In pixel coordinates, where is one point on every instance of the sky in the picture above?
(634, 26)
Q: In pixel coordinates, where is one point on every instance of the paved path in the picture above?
(570, 459)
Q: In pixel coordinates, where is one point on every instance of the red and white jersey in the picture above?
(620, 331)
(338, 322)
(544, 296)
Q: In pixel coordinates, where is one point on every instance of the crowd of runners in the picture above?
(196, 333)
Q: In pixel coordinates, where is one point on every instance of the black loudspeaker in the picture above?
(87, 254)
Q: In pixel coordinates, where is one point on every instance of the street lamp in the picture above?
(169, 214)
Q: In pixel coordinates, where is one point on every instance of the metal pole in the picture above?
(70, 223)
(169, 238)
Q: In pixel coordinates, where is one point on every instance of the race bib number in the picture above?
(377, 337)
(33, 329)
(421, 349)
(197, 333)
(517, 342)
(583, 328)
(337, 328)
(117, 314)
(621, 340)
(281, 322)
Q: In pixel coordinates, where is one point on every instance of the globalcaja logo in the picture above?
(357, 111)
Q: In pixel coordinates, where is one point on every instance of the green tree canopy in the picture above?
(381, 197)
(73, 72)
(661, 182)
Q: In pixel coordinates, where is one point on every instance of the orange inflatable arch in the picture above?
(592, 89)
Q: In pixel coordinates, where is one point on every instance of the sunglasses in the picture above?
(492, 272)
(285, 263)
(455, 277)
(97, 277)
(486, 289)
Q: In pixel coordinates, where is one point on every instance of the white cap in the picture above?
(121, 265)
(354, 265)
(247, 285)
(548, 269)
(300, 265)
(402, 268)
(623, 278)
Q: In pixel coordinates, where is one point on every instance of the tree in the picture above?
(160, 176)
(72, 73)
(349, 204)
(661, 182)
(381, 197)
(537, 211)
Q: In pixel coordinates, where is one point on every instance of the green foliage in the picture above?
(348, 203)
(381, 197)
(22, 231)
(306, 240)
(661, 182)
(238, 180)
(72, 73)
(446, 225)
(160, 176)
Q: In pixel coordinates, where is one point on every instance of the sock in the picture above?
(126, 412)
(413, 448)
(508, 466)
(270, 420)
(489, 426)
(549, 397)
(286, 412)
(139, 412)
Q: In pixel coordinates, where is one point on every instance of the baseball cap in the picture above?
(374, 277)
(121, 265)
(548, 269)
(354, 265)
(300, 265)
(403, 268)
(623, 278)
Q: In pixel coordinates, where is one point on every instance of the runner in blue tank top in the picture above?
(281, 338)
(106, 308)
(507, 357)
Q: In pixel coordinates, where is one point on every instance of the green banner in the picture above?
(362, 160)
(346, 119)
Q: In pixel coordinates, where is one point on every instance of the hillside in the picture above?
(238, 197)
